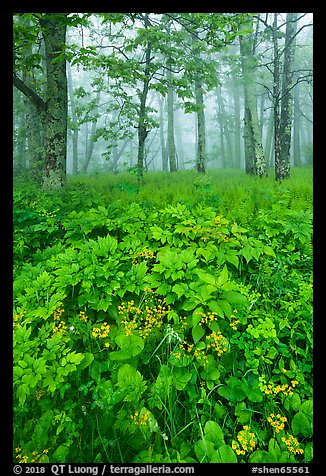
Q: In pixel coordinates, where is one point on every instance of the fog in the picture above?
(106, 70)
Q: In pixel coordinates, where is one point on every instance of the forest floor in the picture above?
(167, 322)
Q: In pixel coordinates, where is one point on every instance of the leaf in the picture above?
(301, 424)
(179, 289)
(234, 297)
(60, 454)
(206, 291)
(197, 333)
(307, 408)
(204, 451)
(242, 413)
(21, 393)
(130, 382)
(131, 345)
(181, 378)
(212, 374)
(252, 390)
(207, 278)
(273, 447)
(214, 433)
(223, 277)
(214, 307)
(308, 452)
(224, 454)
(233, 259)
(189, 305)
(87, 360)
(268, 251)
(157, 232)
(233, 391)
(259, 456)
(225, 306)
(246, 252)
(75, 358)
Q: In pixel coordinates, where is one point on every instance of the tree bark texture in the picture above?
(237, 126)
(228, 153)
(55, 137)
(201, 134)
(170, 141)
(254, 153)
(74, 128)
(142, 127)
(162, 135)
(296, 129)
(276, 102)
(287, 97)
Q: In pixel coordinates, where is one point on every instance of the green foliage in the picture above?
(177, 332)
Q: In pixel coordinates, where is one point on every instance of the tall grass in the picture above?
(231, 192)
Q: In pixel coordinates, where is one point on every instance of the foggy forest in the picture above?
(162, 246)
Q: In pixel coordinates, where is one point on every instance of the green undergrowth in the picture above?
(168, 322)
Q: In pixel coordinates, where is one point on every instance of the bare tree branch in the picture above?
(30, 93)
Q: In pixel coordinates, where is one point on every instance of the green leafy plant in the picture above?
(146, 332)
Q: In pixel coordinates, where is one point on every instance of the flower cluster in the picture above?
(57, 314)
(39, 394)
(186, 349)
(234, 321)
(130, 308)
(153, 318)
(218, 220)
(61, 327)
(140, 418)
(144, 320)
(246, 441)
(35, 457)
(82, 316)
(18, 317)
(277, 421)
(101, 332)
(217, 342)
(207, 318)
(130, 327)
(272, 389)
(292, 444)
(201, 356)
(147, 254)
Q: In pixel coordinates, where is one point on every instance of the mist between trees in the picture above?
(172, 91)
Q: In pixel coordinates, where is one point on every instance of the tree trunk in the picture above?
(200, 158)
(276, 102)
(237, 125)
(142, 127)
(248, 143)
(224, 127)
(252, 133)
(178, 139)
(55, 140)
(89, 144)
(287, 97)
(170, 137)
(55, 137)
(74, 122)
(296, 129)
(269, 140)
(162, 135)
